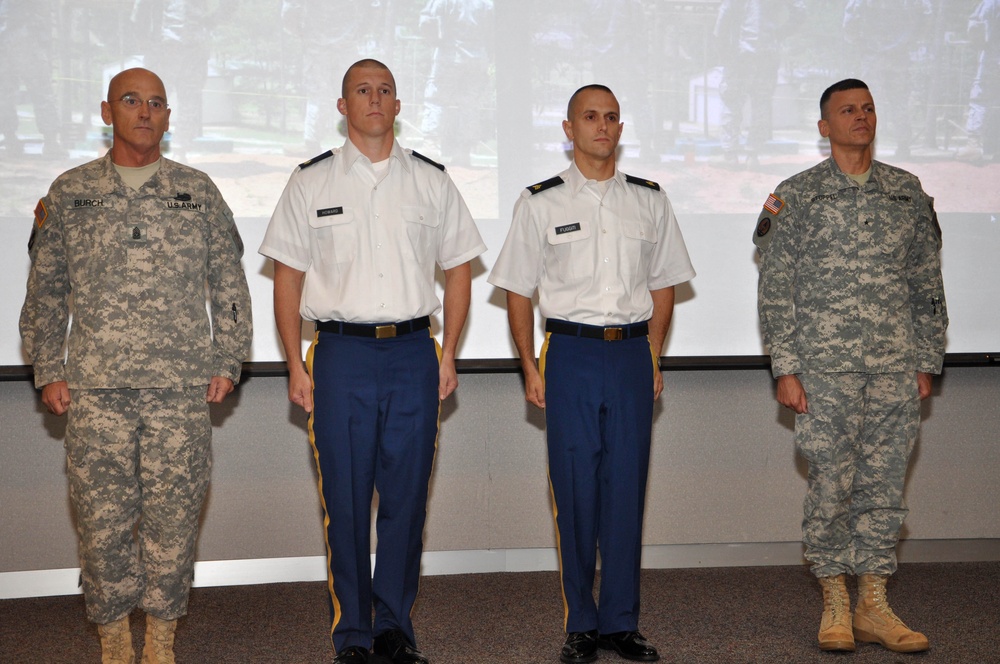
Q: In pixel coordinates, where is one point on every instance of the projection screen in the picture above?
(719, 101)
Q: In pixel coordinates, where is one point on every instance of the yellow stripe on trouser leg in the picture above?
(319, 474)
(555, 507)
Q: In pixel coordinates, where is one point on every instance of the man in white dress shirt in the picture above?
(355, 239)
(604, 251)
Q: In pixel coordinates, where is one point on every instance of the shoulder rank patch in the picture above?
(41, 213)
(546, 184)
(315, 160)
(631, 179)
(427, 159)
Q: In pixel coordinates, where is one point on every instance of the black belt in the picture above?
(374, 330)
(597, 332)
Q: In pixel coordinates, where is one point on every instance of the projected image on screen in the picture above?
(719, 99)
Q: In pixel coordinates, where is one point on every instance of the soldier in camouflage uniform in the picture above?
(133, 240)
(852, 311)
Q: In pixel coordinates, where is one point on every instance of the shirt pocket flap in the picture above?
(639, 229)
(416, 214)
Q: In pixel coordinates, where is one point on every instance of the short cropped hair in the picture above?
(839, 86)
(363, 64)
(592, 86)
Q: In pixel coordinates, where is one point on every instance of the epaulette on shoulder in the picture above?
(427, 159)
(315, 160)
(547, 184)
(631, 179)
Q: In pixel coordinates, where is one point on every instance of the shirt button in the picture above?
(382, 306)
(606, 260)
(604, 230)
(379, 275)
(376, 216)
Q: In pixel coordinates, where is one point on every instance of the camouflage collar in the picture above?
(838, 180)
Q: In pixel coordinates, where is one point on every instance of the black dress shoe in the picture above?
(630, 645)
(580, 648)
(394, 646)
(351, 655)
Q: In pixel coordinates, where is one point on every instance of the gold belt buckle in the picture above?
(612, 334)
(385, 331)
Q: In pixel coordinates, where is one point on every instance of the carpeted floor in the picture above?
(738, 615)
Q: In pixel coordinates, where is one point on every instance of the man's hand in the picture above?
(55, 396)
(923, 385)
(218, 389)
(448, 378)
(791, 394)
(657, 383)
(534, 386)
(300, 388)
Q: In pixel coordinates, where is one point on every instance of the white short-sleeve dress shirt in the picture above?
(594, 251)
(368, 241)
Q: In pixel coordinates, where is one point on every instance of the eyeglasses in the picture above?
(134, 103)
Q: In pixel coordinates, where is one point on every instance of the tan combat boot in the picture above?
(159, 646)
(835, 626)
(874, 621)
(116, 642)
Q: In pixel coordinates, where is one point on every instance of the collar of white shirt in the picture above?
(577, 181)
(351, 154)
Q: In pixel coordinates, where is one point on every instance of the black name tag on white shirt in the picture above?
(568, 228)
(329, 212)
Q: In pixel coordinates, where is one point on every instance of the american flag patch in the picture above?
(773, 204)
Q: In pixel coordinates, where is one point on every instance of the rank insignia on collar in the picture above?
(41, 213)
(182, 197)
(773, 204)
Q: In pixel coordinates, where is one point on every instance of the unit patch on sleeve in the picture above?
(765, 222)
(41, 213)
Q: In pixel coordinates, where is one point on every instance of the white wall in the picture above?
(724, 472)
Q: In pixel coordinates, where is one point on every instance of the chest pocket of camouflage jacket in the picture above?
(94, 244)
(180, 246)
(893, 235)
(334, 237)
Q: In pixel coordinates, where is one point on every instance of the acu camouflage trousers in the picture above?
(138, 463)
(857, 438)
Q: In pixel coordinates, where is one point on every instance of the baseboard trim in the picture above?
(212, 573)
